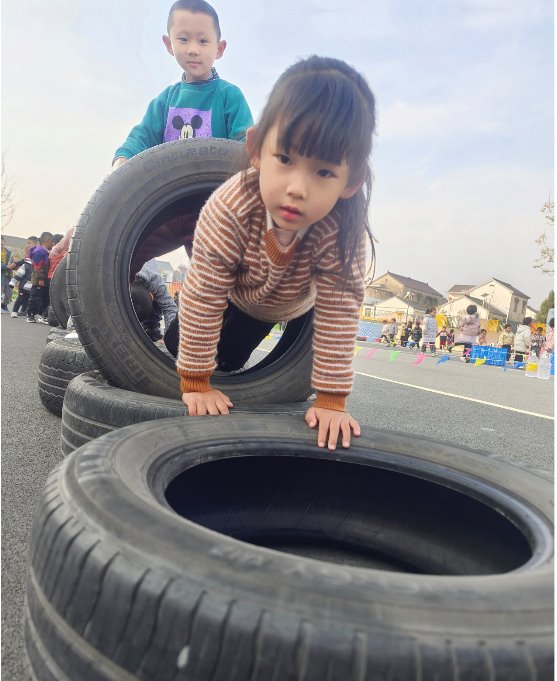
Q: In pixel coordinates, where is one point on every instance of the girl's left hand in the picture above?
(332, 424)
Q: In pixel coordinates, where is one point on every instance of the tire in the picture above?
(60, 362)
(93, 408)
(58, 334)
(51, 317)
(126, 223)
(202, 548)
(59, 294)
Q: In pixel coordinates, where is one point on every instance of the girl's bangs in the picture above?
(322, 121)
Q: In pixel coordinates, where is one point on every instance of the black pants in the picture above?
(508, 349)
(21, 301)
(38, 300)
(240, 335)
(466, 351)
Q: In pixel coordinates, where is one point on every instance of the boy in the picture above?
(538, 340)
(6, 292)
(201, 104)
(442, 335)
(38, 299)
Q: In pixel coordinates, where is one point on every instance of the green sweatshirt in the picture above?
(212, 108)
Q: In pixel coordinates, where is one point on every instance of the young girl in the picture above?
(429, 333)
(283, 238)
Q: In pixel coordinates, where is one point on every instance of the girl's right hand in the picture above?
(212, 402)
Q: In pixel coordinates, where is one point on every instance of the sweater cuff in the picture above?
(196, 383)
(330, 401)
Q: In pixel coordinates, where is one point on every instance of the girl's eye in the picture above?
(283, 158)
(323, 172)
(204, 41)
(182, 40)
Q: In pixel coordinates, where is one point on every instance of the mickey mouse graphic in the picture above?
(187, 130)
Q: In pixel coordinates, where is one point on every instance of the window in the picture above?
(523, 306)
(367, 311)
(515, 304)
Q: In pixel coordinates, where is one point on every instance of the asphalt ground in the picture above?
(505, 414)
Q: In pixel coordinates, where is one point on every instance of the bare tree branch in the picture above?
(545, 262)
(8, 196)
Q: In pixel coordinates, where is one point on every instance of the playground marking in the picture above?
(460, 397)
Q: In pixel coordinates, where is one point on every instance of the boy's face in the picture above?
(193, 42)
(298, 190)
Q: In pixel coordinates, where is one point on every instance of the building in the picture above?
(495, 299)
(402, 310)
(418, 293)
(165, 270)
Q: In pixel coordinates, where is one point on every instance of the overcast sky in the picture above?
(463, 158)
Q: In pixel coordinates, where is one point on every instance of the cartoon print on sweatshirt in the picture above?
(184, 122)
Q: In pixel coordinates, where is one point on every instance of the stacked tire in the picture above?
(234, 549)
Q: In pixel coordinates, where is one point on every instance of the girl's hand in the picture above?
(332, 424)
(212, 402)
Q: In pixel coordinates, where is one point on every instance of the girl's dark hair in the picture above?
(527, 321)
(325, 109)
(471, 309)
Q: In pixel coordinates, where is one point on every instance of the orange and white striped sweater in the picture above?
(236, 256)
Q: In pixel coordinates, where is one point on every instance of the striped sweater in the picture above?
(237, 256)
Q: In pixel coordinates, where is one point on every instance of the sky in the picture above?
(463, 154)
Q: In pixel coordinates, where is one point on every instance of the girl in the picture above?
(429, 330)
(469, 327)
(284, 238)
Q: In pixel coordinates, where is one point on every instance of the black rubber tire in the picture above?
(122, 587)
(58, 293)
(93, 408)
(125, 223)
(61, 361)
(51, 317)
(57, 334)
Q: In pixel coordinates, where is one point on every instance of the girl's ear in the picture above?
(167, 44)
(251, 142)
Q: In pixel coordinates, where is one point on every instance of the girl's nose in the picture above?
(296, 187)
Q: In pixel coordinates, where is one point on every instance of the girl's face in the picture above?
(298, 190)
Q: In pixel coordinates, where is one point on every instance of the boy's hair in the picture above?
(527, 321)
(45, 236)
(539, 329)
(471, 309)
(33, 238)
(508, 326)
(194, 6)
(325, 109)
(56, 238)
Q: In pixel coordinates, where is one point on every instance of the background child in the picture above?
(289, 239)
(429, 333)
(549, 344)
(450, 339)
(405, 334)
(385, 331)
(201, 104)
(537, 340)
(469, 327)
(416, 336)
(442, 335)
(39, 298)
(393, 328)
(506, 339)
(522, 339)
(482, 338)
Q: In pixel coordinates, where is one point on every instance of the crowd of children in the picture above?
(421, 335)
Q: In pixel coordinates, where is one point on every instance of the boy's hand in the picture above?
(212, 402)
(118, 162)
(332, 424)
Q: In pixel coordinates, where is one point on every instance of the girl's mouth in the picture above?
(289, 213)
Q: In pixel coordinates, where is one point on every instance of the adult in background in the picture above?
(152, 301)
(24, 285)
(38, 299)
(549, 344)
(6, 291)
(522, 339)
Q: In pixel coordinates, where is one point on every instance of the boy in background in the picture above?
(39, 298)
(201, 104)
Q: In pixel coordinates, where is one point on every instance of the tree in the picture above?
(545, 262)
(546, 305)
(8, 196)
